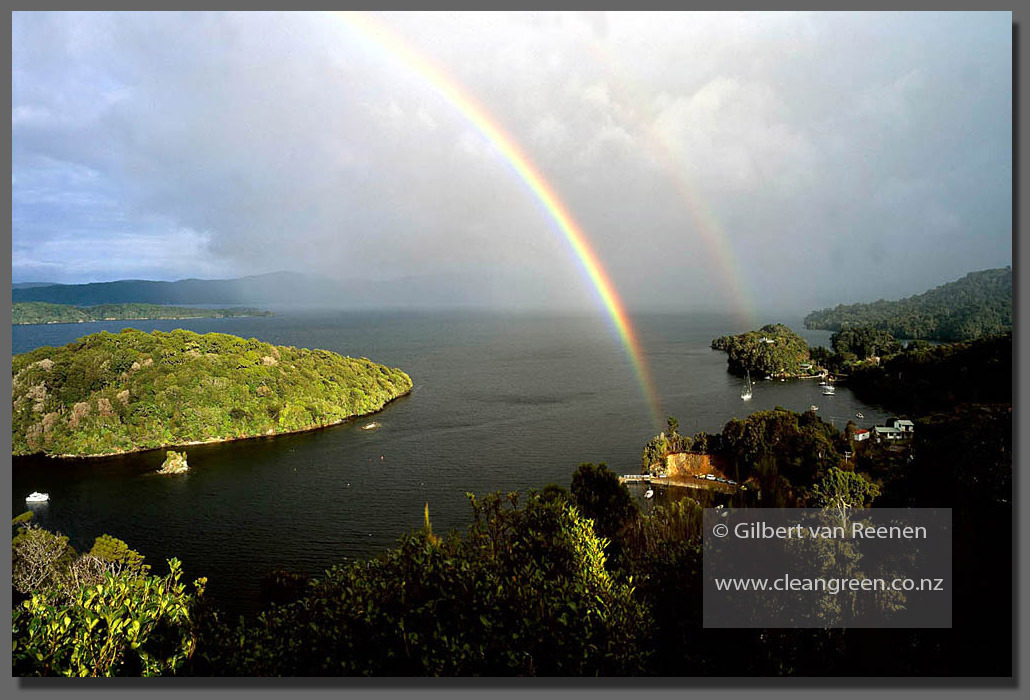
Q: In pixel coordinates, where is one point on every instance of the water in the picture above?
(501, 403)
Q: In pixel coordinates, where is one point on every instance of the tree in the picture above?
(556, 492)
(705, 443)
(115, 552)
(40, 559)
(849, 432)
(843, 490)
(600, 496)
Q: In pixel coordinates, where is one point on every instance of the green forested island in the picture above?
(977, 305)
(773, 349)
(121, 392)
(29, 312)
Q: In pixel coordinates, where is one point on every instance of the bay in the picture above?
(502, 402)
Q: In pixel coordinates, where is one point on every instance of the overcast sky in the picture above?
(723, 160)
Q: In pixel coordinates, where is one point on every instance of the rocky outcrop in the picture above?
(175, 463)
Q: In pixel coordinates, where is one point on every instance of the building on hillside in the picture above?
(883, 432)
(860, 434)
(905, 426)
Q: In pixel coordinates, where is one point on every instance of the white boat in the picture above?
(746, 392)
(37, 497)
(828, 390)
(859, 415)
(370, 426)
(813, 407)
(649, 493)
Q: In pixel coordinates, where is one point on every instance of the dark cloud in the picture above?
(793, 160)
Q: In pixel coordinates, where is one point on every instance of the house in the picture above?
(860, 434)
(883, 432)
(905, 426)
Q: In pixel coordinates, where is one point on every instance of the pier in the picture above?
(689, 482)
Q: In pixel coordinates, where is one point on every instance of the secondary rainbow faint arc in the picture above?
(506, 146)
(708, 224)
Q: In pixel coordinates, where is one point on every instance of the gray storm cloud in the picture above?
(715, 159)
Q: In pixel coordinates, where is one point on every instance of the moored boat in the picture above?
(746, 392)
(37, 497)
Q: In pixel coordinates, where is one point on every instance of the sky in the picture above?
(726, 161)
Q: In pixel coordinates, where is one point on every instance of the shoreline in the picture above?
(148, 318)
(212, 441)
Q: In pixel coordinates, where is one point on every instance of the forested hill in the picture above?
(121, 392)
(29, 312)
(773, 349)
(977, 305)
(259, 289)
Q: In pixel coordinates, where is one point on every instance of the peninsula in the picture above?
(34, 312)
(111, 393)
(773, 350)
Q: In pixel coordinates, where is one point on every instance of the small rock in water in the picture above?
(175, 463)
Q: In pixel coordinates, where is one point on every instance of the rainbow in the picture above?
(708, 225)
(451, 91)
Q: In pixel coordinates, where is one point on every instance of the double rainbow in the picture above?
(451, 91)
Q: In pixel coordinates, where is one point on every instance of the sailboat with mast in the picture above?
(746, 392)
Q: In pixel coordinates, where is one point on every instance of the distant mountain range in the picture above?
(257, 289)
(493, 288)
(977, 305)
(30, 285)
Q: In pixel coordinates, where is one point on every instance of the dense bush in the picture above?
(927, 378)
(524, 592)
(126, 624)
(108, 393)
(864, 342)
(774, 443)
(977, 305)
(96, 614)
(773, 349)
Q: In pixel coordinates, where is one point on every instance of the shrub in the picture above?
(126, 625)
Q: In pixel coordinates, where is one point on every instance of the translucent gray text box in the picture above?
(800, 567)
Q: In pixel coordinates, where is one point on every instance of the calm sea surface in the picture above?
(500, 403)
